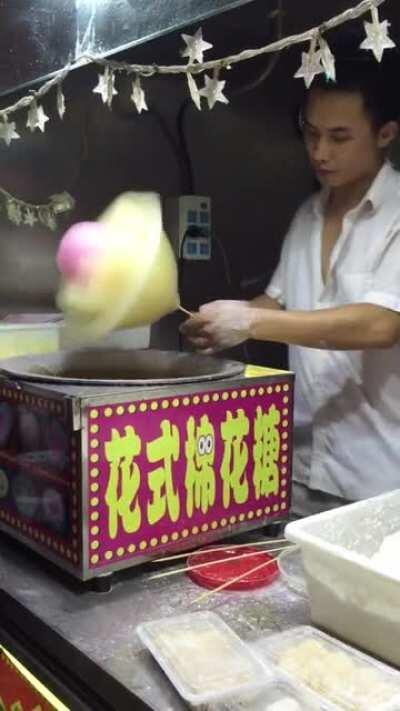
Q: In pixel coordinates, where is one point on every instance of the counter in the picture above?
(85, 642)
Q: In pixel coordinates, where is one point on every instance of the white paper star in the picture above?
(311, 64)
(327, 60)
(36, 117)
(195, 47)
(194, 91)
(62, 202)
(138, 96)
(60, 101)
(29, 217)
(8, 132)
(213, 91)
(377, 39)
(14, 212)
(106, 86)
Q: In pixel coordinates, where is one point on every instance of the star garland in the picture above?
(316, 60)
(24, 213)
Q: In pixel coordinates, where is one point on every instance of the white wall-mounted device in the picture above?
(187, 222)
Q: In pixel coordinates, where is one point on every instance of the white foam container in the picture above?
(184, 647)
(278, 691)
(348, 596)
(343, 692)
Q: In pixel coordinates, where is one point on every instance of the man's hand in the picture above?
(219, 325)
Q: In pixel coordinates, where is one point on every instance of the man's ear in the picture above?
(387, 134)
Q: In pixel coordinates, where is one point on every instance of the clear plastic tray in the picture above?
(338, 673)
(279, 695)
(290, 565)
(203, 658)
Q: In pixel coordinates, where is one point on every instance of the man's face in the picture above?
(342, 142)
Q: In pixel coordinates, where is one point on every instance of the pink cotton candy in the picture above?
(80, 249)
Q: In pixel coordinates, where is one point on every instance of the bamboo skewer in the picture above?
(166, 559)
(213, 562)
(185, 311)
(232, 580)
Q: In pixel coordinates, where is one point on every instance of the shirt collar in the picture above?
(373, 198)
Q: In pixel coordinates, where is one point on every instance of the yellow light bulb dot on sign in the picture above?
(154, 542)
(243, 393)
(108, 412)
(242, 517)
(131, 548)
(120, 552)
(196, 400)
(94, 414)
(131, 409)
(164, 538)
(195, 530)
(275, 508)
(283, 494)
(285, 423)
(283, 506)
(259, 513)
(267, 509)
(175, 402)
(94, 443)
(261, 391)
(278, 388)
(214, 525)
(215, 397)
(204, 527)
(165, 404)
(285, 388)
(185, 533)
(252, 392)
(95, 530)
(284, 435)
(223, 522)
(154, 406)
(232, 519)
(94, 559)
(270, 390)
(143, 406)
(108, 555)
(234, 394)
(286, 399)
(94, 472)
(94, 516)
(250, 515)
(206, 398)
(283, 482)
(284, 459)
(94, 502)
(225, 396)
(143, 545)
(94, 429)
(94, 458)
(120, 410)
(94, 487)
(175, 536)
(186, 401)
(94, 545)
(285, 411)
(284, 446)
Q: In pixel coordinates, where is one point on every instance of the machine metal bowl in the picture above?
(116, 367)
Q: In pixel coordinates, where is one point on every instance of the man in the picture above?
(335, 296)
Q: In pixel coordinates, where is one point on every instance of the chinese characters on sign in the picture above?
(243, 468)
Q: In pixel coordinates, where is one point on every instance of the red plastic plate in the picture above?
(216, 573)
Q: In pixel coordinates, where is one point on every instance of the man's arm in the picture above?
(265, 302)
(223, 324)
(349, 327)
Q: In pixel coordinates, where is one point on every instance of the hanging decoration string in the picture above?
(316, 60)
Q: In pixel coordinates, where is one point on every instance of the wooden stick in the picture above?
(232, 580)
(213, 562)
(185, 311)
(166, 559)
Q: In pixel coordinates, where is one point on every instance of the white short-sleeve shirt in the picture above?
(347, 403)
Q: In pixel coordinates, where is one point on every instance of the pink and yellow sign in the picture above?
(165, 470)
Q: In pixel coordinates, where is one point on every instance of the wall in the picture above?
(246, 156)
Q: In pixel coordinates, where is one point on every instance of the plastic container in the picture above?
(290, 565)
(18, 339)
(340, 675)
(203, 658)
(348, 595)
(278, 695)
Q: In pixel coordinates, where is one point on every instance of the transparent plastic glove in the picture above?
(219, 325)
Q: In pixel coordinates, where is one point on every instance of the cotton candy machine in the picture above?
(111, 457)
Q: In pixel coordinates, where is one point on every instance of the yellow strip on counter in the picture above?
(257, 371)
(45, 693)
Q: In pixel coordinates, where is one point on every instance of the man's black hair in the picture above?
(358, 71)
